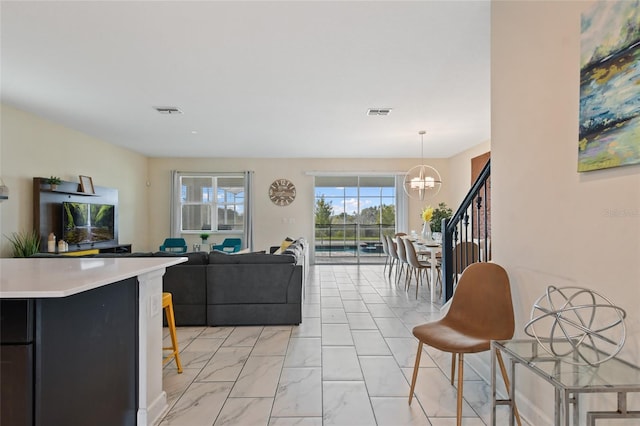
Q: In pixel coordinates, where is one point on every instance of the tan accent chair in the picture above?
(481, 310)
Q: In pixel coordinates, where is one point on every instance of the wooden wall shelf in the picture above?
(82, 194)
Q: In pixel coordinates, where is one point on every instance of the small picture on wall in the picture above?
(609, 134)
(86, 185)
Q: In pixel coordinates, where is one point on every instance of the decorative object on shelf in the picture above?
(51, 243)
(439, 213)
(53, 182)
(426, 215)
(564, 319)
(422, 182)
(24, 243)
(282, 192)
(4, 191)
(204, 237)
(86, 185)
(63, 247)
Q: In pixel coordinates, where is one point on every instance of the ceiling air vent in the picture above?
(167, 110)
(378, 111)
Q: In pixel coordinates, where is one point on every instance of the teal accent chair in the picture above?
(174, 245)
(229, 245)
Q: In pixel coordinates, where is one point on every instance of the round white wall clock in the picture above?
(282, 192)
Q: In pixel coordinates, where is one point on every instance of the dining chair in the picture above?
(393, 253)
(385, 250)
(481, 310)
(464, 254)
(425, 255)
(402, 258)
(416, 265)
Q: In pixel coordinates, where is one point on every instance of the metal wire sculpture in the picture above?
(577, 325)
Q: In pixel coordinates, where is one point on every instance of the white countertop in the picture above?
(61, 277)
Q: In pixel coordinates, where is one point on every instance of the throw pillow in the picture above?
(243, 251)
(286, 243)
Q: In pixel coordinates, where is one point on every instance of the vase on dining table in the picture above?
(426, 231)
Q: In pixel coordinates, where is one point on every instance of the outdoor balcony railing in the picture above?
(350, 239)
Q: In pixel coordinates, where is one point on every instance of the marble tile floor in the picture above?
(349, 363)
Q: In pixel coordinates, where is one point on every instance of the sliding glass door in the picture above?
(351, 215)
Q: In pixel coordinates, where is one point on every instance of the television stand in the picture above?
(120, 248)
(47, 213)
(82, 251)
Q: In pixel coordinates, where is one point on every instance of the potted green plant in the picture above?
(24, 243)
(53, 182)
(204, 237)
(439, 213)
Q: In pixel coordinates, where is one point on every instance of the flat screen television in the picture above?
(84, 223)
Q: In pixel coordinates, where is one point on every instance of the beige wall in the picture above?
(33, 147)
(460, 167)
(273, 223)
(552, 225)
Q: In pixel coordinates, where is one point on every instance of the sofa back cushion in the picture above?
(219, 258)
(193, 258)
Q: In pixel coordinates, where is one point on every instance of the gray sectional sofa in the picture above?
(236, 289)
(247, 289)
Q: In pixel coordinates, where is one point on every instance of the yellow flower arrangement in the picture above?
(427, 214)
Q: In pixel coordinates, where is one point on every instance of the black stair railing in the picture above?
(466, 236)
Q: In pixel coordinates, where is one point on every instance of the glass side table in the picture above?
(569, 381)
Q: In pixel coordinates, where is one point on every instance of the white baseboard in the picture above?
(156, 409)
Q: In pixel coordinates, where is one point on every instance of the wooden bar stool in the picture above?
(167, 305)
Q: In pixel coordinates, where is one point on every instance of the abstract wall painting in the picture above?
(609, 134)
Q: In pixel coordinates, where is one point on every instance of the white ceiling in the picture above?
(255, 79)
